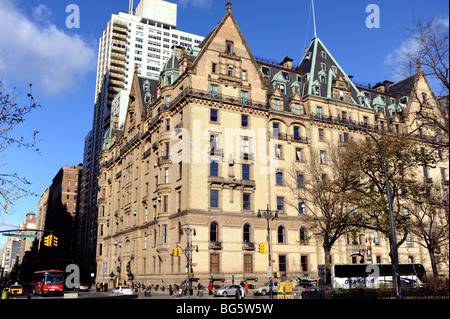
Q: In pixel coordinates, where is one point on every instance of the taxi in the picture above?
(16, 289)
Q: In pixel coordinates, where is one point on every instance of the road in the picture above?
(93, 294)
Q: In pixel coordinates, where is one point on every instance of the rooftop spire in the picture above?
(229, 5)
(314, 18)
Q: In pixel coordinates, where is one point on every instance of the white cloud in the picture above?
(40, 53)
(396, 60)
(195, 3)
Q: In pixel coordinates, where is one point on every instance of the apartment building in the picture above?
(205, 150)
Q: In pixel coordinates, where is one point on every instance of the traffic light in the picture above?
(177, 252)
(263, 248)
(48, 240)
(54, 241)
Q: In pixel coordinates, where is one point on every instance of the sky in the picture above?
(38, 47)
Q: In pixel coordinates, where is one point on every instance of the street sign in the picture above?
(19, 235)
(269, 271)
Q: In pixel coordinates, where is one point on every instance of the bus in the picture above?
(348, 276)
(48, 282)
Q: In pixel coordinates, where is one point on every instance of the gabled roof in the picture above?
(318, 62)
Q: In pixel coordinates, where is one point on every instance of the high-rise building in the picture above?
(141, 38)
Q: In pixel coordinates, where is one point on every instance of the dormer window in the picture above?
(324, 55)
(323, 66)
(322, 79)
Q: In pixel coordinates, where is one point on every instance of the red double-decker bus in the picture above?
(48, 282)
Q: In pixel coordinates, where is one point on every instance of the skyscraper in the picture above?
(141, 38)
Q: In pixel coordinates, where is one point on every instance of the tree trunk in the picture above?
(327, 251)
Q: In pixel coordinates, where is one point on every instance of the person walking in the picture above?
(246, 288)
(210, 287)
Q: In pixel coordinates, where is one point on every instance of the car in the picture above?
(84, 287)
(229, 291)
(16, 289)
(125, 290)
(264, 290)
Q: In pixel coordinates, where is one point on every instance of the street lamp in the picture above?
(353, 126)
(189, 251)
(269, 215)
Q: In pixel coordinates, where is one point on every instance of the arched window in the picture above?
(214, 232)
(281, 235)
(303, 235)
(247, 233)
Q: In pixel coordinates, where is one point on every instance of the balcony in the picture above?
(215, 245)
(248, 246)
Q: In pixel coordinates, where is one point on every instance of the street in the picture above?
(93, 294)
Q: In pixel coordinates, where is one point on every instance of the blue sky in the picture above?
(37, 47)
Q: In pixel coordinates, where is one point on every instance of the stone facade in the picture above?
(201, 154)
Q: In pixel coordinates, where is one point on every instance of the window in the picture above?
(297, 133)
(244, 120)
(229, 46)
(408, 240)
(214, 91)
(230, 70)
(245, 172)
(276, 104)
(214, 169)
(214, 116)
(280, 204)
(246, 201)
(298, 154)
(214, 232)
(303, 235)
(278, 151)
(321, 134)
(319, 112)
(165, 203)
(304, 263)
(301, 207)
(322, 157)
(244, 97)
(282, 263)
(300, 180)
(297, 108)
(244, 75)
(214, 68)
(166, 176)
(164, 234)
(214, 198)
(281, 235)
(279, 177)
(247, 233)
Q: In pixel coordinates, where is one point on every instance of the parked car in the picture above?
(264, 290)
(84, 287)
(122, 290)
(16, 289)
(229, 291)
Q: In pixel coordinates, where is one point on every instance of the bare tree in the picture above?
(12, 185)
(320, 188)
(429, 220)
(429, 55)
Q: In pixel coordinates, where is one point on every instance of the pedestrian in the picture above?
(98, 287)
(246, 288)
(210, 289)
(238, 293)
(199, 289)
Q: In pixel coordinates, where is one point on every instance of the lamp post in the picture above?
(352, 126)
(269, 215)
(189, 251)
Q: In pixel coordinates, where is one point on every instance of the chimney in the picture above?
(287, 63)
